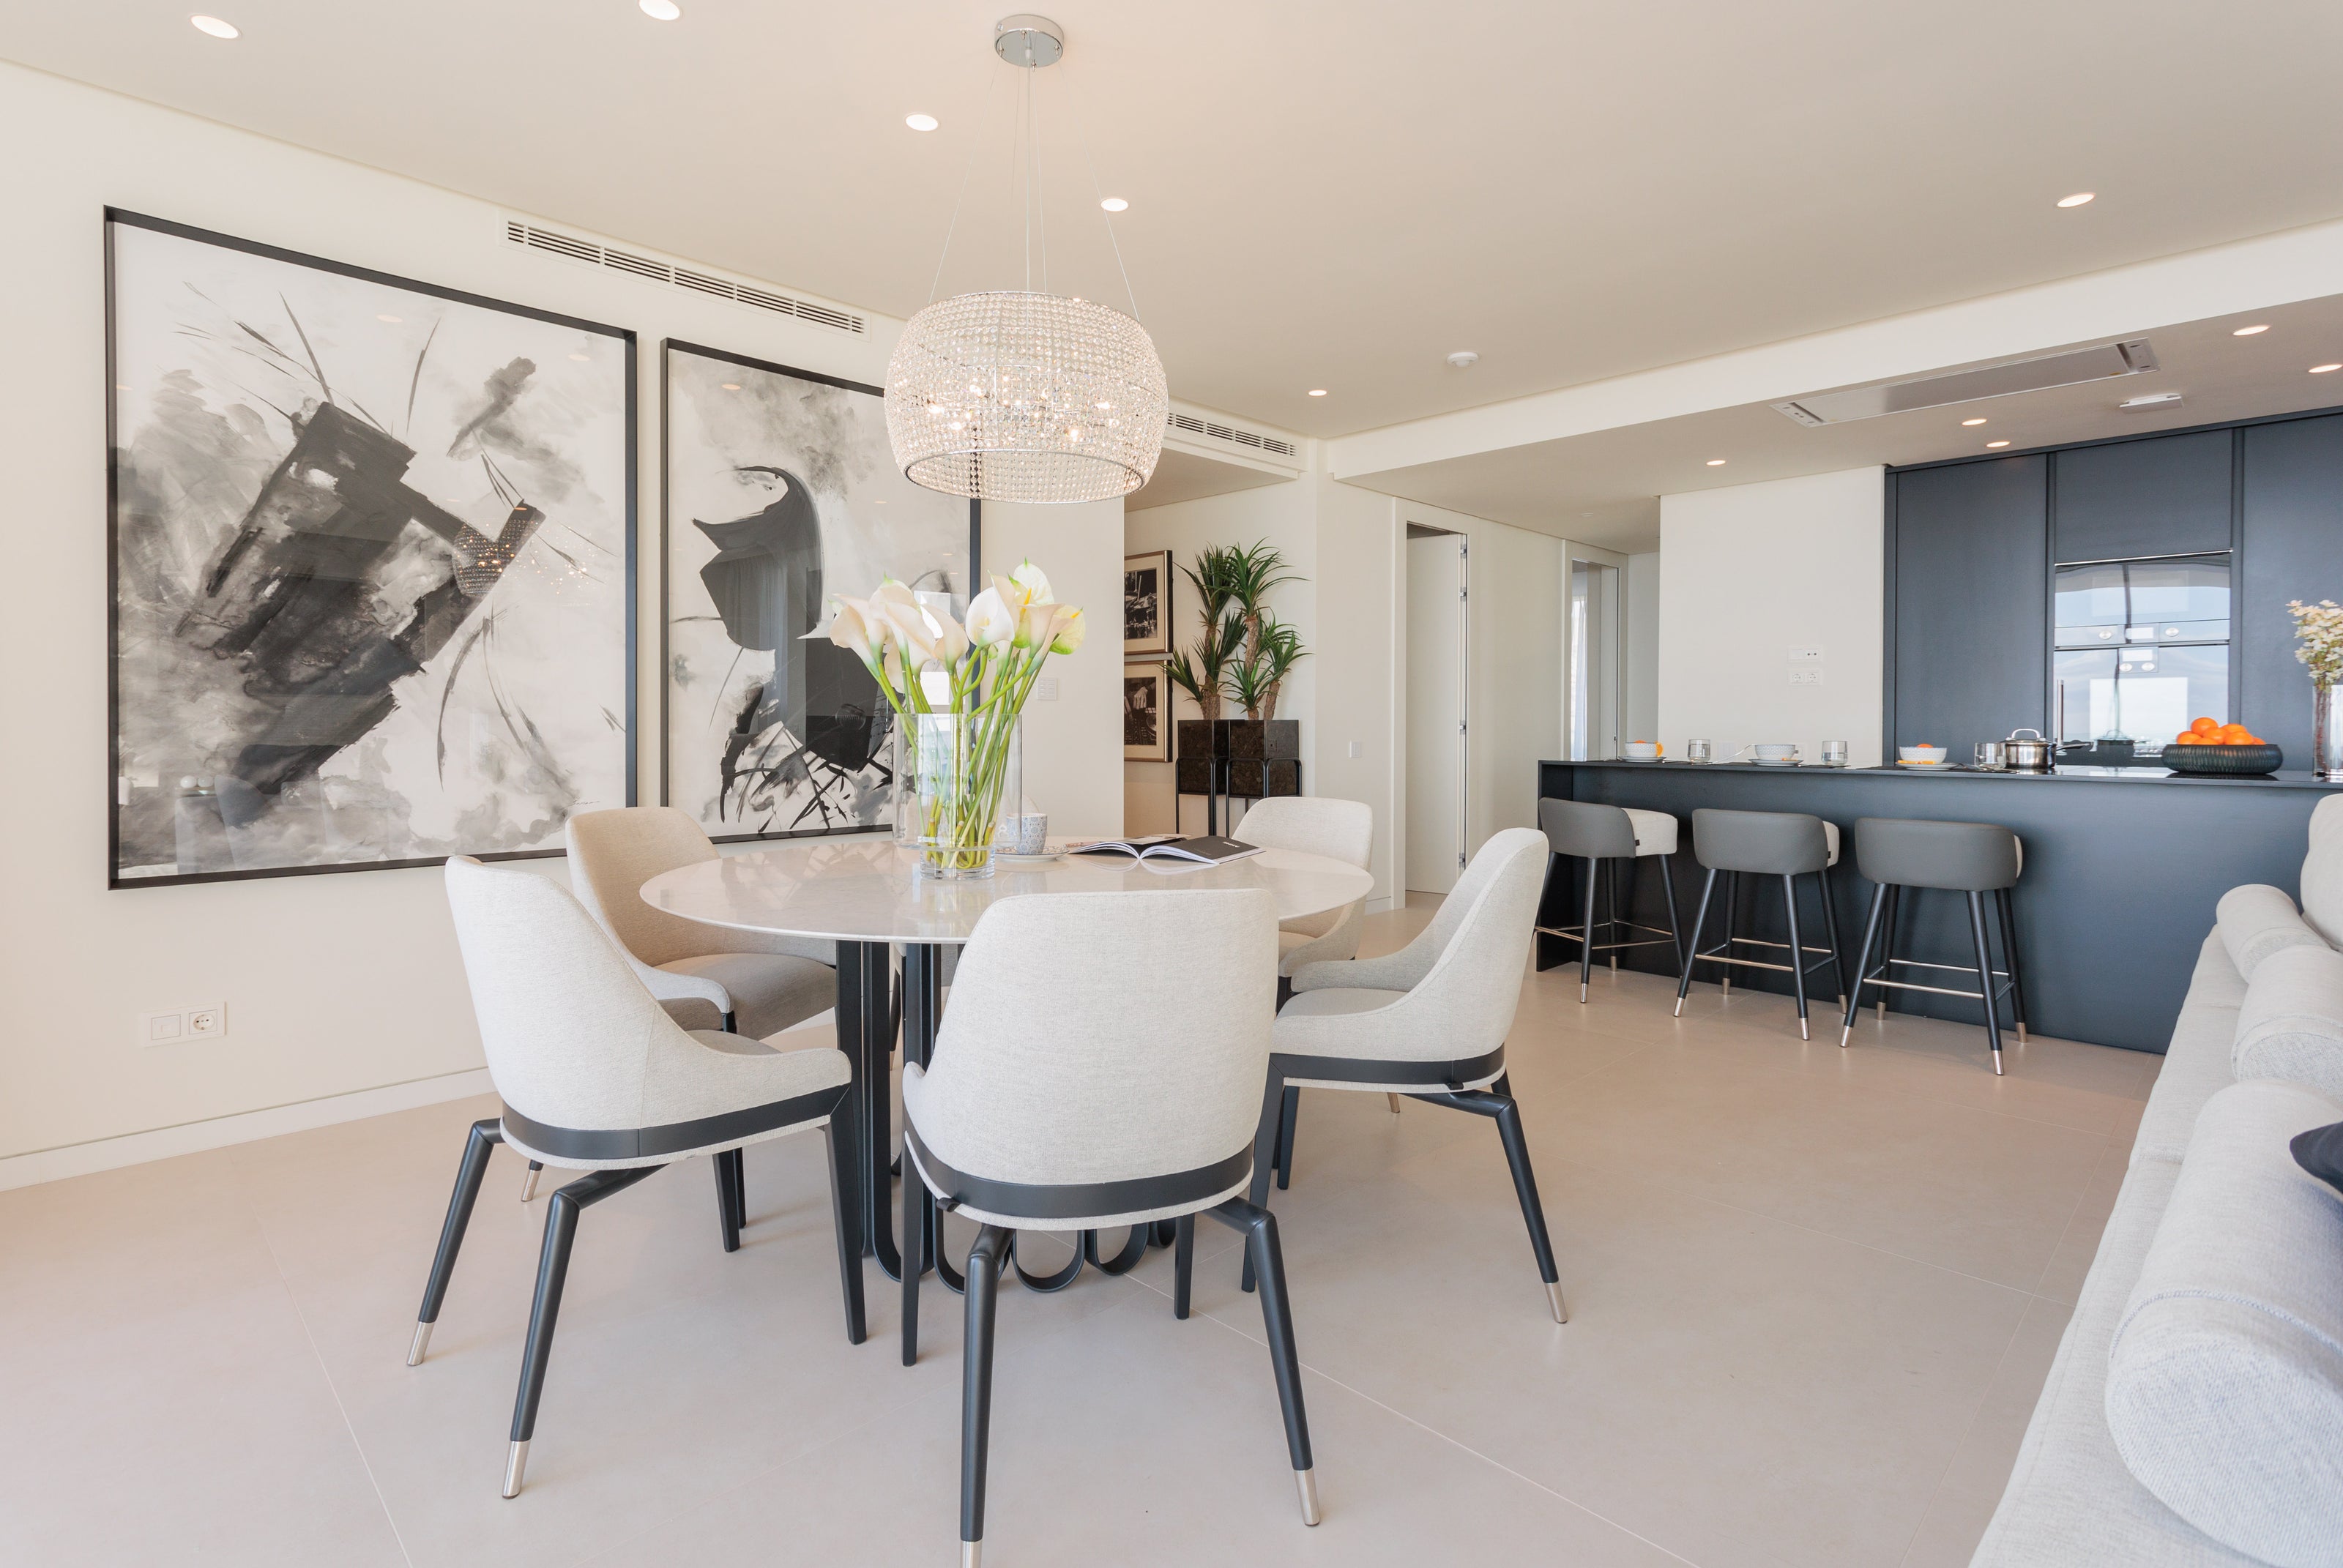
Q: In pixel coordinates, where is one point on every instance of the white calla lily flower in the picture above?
(990, 620)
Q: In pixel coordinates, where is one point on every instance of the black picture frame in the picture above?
(669, 348)
(1159, 644)
(115, 218)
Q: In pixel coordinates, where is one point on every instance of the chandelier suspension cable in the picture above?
(1040, 212)
(1082, 133)
(966, 169)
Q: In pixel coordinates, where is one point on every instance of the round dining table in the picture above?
(865, 893)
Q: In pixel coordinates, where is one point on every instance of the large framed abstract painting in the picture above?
(780, 489)
(372, 565)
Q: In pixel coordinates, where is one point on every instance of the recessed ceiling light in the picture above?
(392, 320)
(920, 122)
(2323, 370)
(2249, 331)
(660, 10)
(1978, 420)
(732, 386)
(1463, 359)
(1990, 444)
(1317, 391)
(215, 27)
(2077, 199)
(583, 359)
(1115, 204)
(1716, 462)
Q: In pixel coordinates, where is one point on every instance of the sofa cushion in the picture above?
(2322, 871)
(2197, 1064)
(2225, 1376)
(2291, 1025)
(2070, 1503)
(2257, 920)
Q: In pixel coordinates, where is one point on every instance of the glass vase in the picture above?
(954, 774)
(2326, 734)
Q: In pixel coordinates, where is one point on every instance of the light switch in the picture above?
(1045, 689)
(1358, 749)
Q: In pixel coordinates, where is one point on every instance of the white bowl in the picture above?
(1919, 753)
(1642, 750)
(1775, 749)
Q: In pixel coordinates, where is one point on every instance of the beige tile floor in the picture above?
(1813, 1293)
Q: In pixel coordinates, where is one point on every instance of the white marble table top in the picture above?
(864, 889)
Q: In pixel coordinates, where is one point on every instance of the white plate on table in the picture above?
(1775, 761)
(1925, 767)
(1005, 858)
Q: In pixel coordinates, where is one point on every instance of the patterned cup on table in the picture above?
(1028, 834)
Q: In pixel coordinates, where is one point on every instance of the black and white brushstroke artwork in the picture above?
(781, 489)
(371, 567)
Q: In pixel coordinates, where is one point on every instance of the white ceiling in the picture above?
(1323, 194)
(1603, 487)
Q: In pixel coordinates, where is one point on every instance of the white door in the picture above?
(1435, 711)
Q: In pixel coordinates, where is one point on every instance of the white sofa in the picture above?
(2193, 1415)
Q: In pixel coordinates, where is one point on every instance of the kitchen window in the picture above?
(2141, 647)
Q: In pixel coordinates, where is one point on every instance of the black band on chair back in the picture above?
(1450, 1075)
(674, 1137)
(1765, 843)
(1587, 830)
(1079, 1200)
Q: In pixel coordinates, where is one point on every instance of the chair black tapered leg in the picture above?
(1984, 975)
(485, 1135)
(976, 1385)
(1699, 924)
(1264, 1140)
(1797, 952)
(1497, 1103)
(915, 1254)
(846, 1216)
(1675, 935)
(1264, 1258)
(1732, 928)
(1611, 908)
(1862, 962)
(529, 1182)
(2006, 905)
(728, 1208)
(552, 1270)
(1289, 1114)
(1888, 945)
(1183, 1264)
(1587, 929)
(1830, 933)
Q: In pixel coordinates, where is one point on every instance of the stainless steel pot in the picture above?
(2028, 752)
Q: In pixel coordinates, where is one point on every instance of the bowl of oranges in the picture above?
(2211, 747)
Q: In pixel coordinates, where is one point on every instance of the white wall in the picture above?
(1639, 718)
(340, 984)
(1073, 743)
(1358, 659)
(1750, 572)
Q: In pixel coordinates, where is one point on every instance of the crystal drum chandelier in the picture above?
(1020, 396)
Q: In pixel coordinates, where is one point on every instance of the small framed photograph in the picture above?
(1147, 604)
(1146, 713)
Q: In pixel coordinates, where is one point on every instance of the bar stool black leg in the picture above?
(1699, 924)
(1675, 933)
(1732, 909)
(1611, 907)
(1830, 929)
(1984, 976)
(2007, 902)
(1587, 929)
(1797, 952)
(1863, 961)
(1888, 945)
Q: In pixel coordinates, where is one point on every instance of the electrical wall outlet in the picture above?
(1805, 656)
(1806, 675)
(1045, 689)
(204, 1020)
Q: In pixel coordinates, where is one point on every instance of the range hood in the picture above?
(2132, 357)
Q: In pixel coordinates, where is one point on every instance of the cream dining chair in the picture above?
(596, 1077)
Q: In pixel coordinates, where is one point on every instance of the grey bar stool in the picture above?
(1972, 858)
(1602, 836)
(1785, 844)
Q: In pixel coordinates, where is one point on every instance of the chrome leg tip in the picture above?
(1306, 1482)
(515, 1462)
(1394, 1103)
(1843, 1035)
(971, 1555)
(1996, 1065)
(1582, 991)
(1801, 1031)
(1554, 1299)
(528, 1186)
(1679, 1011)
(2021, 1034)
(422, 1342)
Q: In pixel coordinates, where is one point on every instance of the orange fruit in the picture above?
(2186, 737)
(2206, 725)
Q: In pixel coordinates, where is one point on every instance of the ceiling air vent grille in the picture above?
(1188, 424)
(532, 237)
(2134, 357)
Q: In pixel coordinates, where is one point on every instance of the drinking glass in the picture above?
(1833, 753)
(1697, 751)
(1992, 754)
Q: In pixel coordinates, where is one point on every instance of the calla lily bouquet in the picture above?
(959, 690)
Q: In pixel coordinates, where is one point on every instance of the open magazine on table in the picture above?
(1205, 849)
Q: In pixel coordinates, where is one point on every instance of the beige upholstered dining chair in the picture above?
(1428, 1022)
(1315, 825)
(1084, 1081)
(596, 1078)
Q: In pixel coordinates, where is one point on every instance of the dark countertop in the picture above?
(2289, 779)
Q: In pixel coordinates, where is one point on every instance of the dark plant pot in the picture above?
(1260, 779)
(1260, 740)
(2223, 761)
